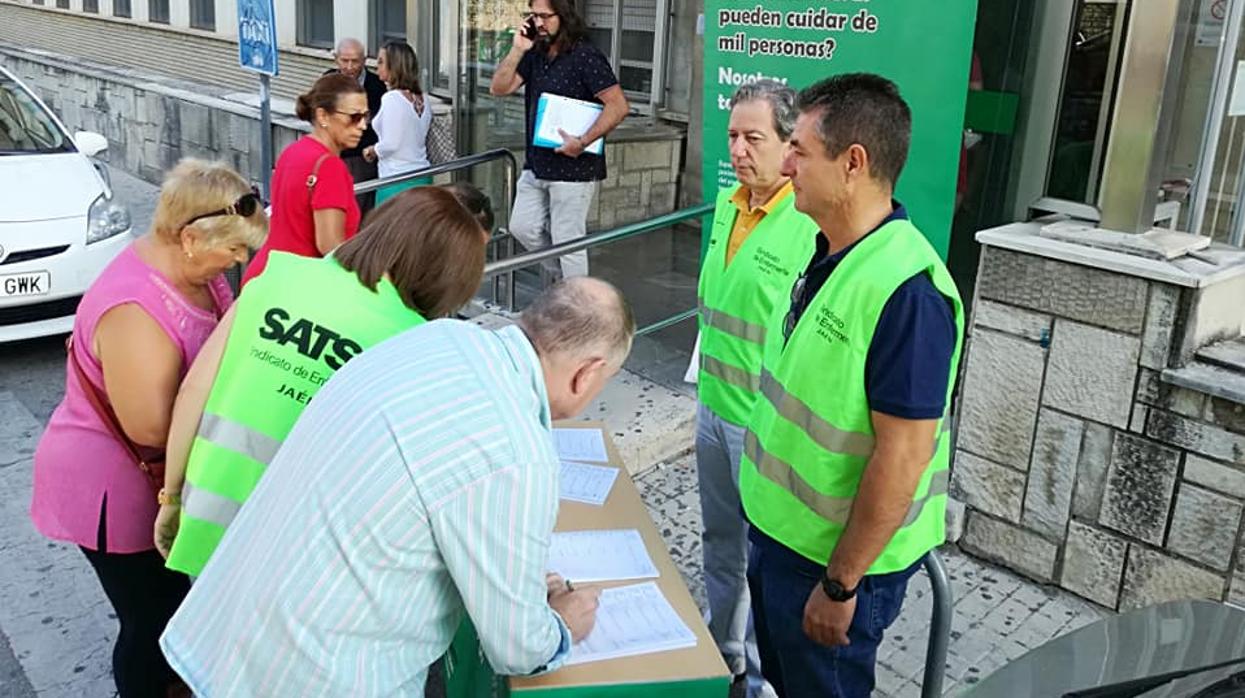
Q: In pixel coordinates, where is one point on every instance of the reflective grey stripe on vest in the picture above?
(825, 434)
(208, 506)
(731, 374)
(736, 327)
(937, 485)
(836, 510)
(239, 438)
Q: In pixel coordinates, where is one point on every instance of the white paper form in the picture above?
(590, 484)
(580, 445)
(600, 555)
(635, 619)
(574, 116)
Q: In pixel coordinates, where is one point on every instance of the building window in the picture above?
(121, 8)
(438, 41)
(91, 6)
(62, 4)
(158, 11)
(203, 14)
(626, 31)
(315, 23)
(388, 24)
(680, 42)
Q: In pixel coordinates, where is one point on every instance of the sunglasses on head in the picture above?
(245, 206)
(356, 117)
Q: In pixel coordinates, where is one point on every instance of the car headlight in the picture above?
(106, 219)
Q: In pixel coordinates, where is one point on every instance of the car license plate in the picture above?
(35, 283)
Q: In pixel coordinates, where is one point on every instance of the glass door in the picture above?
(1086, 100)
(1218, 183)
(1006, 36)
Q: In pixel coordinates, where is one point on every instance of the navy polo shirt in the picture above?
(909, 361)
(581, 72)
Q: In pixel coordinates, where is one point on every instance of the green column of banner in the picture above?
(923, 46)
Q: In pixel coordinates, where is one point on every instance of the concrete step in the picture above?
(1229, 354)
(1212, 379)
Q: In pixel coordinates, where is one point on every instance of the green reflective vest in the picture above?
(294, 326)
(810, 435)
(737, 301)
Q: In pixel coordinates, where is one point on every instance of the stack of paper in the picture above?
(600, 556)
(590, 484)
(575, 116)
(580, 445)
(632, 620)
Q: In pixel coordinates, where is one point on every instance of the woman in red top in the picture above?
(310, 216)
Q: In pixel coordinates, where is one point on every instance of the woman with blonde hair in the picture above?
(137, 330)
(403, 121)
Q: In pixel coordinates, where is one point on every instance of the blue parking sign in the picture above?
(257, 36)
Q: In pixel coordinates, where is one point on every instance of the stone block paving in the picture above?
(999, 616)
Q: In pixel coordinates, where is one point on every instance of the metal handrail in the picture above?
(512, 170)
(939, 626)
(511, 174)
(627, 231)
(668, 322)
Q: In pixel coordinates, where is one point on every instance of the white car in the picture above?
(59, 223)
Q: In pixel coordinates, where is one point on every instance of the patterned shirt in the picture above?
(422, 481)
(581, 72)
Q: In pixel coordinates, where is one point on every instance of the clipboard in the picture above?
(574, 116)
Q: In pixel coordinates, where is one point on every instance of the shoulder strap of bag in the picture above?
(106, 415)
(315, 174)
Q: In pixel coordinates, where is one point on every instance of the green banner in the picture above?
(923, 46)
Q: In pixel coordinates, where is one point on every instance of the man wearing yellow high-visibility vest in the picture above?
(757, 246)
(844, 472)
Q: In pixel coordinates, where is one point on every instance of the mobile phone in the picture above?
(529, 30)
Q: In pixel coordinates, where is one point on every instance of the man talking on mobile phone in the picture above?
(552, 54)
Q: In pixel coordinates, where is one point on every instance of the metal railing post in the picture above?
(510, 174)
(510, 289)
(511, 191)
(939, 626)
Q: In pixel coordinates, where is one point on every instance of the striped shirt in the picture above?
(420, 482)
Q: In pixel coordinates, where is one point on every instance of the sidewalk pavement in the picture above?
(998, 615)
(61, 629)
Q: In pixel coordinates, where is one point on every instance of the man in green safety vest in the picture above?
(844, 473)
(757, 246)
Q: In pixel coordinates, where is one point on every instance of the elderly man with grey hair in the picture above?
(350, 58)
(419, 487)
(757, 246)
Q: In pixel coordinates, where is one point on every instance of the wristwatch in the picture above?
(835, 589)
(166, 498)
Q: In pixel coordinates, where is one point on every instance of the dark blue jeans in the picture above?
(780, 581)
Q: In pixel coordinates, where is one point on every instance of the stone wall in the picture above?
(152, 121)
(1079, 462)
(642, 178)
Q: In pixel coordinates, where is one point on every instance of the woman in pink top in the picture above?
(137, 330)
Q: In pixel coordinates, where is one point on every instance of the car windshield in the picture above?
(24, 126)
